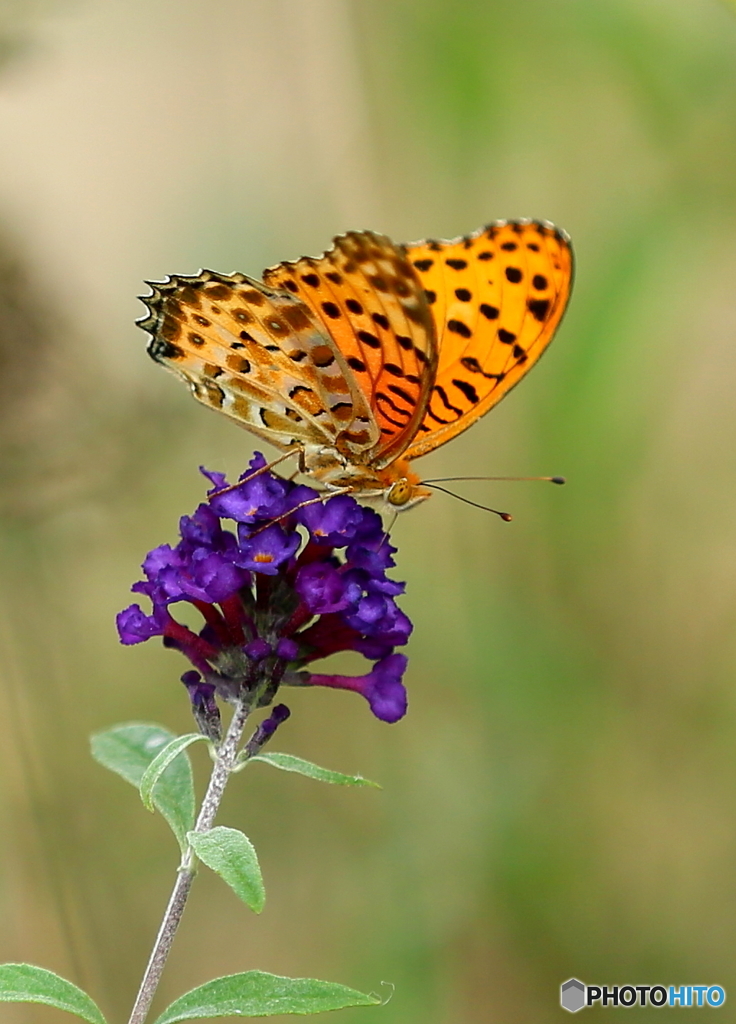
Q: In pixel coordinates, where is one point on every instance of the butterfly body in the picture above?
(396, 487)
(371, 355)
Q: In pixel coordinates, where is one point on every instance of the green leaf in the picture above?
(256, 994)
(129, 749)
(24, 983)
(232, 855)
(161, 762)
(290, 763)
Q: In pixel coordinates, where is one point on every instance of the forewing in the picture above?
(496, 297)
(252, 352)
(367, 297)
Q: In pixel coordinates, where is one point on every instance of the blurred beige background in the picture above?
(561, 799)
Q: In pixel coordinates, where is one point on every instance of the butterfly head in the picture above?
(403, 494)
(403, 489)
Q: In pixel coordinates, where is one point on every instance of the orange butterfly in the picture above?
(372, 354)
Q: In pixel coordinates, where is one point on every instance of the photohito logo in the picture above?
(574, 995)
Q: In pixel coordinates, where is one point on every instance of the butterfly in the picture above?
(371, 355)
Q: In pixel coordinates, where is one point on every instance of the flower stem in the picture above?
(224, 764)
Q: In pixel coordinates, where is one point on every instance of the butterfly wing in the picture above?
(496, 297)
(258, 355)
(367, 297)
(372, 350)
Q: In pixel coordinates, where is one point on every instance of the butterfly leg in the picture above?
(302, 504)
(257, 472)
(387, 531)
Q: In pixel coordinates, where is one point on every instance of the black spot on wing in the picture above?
(439, 390)
(401, 393)
(472, 364)
(489, 312)
(458, 327)
(421, 356)
(159, 349)
(467, 389)
(381, 320)
(382, 399)
(369, 339)
(538, 308)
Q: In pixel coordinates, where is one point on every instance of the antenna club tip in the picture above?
(557, 480)
(506, 516)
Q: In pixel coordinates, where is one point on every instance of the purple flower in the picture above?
(204, 705)
(135, 626)
(202, 529)
(322, 587)
(297, 579)
(259, 495)
(258, 649)
(266, 729)
(382, 687)
(335, 521)
(267, 549)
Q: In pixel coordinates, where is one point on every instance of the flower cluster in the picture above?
(298, 579)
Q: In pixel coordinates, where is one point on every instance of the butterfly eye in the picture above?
(400, 492)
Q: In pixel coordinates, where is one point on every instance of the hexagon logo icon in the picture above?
(572, 995)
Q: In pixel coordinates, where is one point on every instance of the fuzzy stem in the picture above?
(224, 764)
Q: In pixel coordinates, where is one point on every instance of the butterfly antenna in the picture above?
(506, 516)
(457, 479)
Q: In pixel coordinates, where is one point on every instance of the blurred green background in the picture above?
(561, 799)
